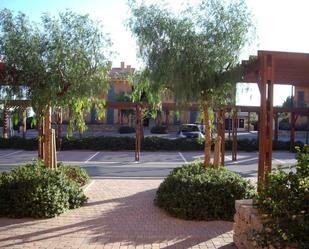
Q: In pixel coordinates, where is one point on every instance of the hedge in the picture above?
(128, 143)
(159, 129)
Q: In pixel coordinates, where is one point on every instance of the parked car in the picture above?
(191, 131)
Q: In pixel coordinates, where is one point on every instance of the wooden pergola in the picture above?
(267, 69)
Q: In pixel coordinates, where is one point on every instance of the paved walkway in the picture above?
(119, 214)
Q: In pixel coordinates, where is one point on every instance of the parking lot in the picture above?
(108, 164)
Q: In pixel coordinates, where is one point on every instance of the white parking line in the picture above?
(12, 153)
(279, 161)
(92, 157)
(182, 157)
(230, 159)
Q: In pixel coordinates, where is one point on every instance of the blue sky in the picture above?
(280, 25)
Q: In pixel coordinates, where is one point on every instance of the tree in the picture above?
(61, 62)
(288, 103)
(193, 54)
(147, 96)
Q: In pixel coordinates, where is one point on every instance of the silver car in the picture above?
(191, 131)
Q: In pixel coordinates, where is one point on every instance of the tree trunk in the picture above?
(24, 130)
(59, 132)
(49, 143)
(217, 152)
(207, 147)
(47, 138)
(138, 134)
(5, 122)
(40, 138)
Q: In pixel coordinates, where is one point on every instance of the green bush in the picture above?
(126, 129)
(194, 192)
(284, 202)
(35, 191)
(158, 129)
(75, 173)
(128, 143)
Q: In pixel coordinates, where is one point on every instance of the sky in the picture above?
(281, 25)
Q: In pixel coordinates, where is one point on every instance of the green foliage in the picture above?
(61, 62)
(158, 129)
(126, 129)
(75, 173)
(144, 91)
(35, 191)
(192, 53)
(284, 202)
(194, 192)
(128, 143)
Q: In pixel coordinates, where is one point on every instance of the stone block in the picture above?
(246, 202)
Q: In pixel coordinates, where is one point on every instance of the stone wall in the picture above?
(247, 220)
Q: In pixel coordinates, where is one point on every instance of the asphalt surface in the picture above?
(121, 164)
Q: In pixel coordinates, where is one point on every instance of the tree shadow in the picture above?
(133, 220)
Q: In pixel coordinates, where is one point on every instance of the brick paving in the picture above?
(119, 214)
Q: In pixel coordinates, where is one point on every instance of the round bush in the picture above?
(75, 173)
(35, 191)
(126, 129)
(158, 129)
(195, 193)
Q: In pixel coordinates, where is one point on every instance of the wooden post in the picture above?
(221, 134)
(217, 152)
(292, 131)
(52, 148)
(24, 131)
(262, 124)
(5, 122)
(266, 118)
(234, 137)
(292, 128)
(269, 117)
(229, 125)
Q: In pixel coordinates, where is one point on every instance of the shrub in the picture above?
(284, 201)
(75, 173)
(126, 129)
(128, 143)
(35, 191)
(158, 129)
(194, 192)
